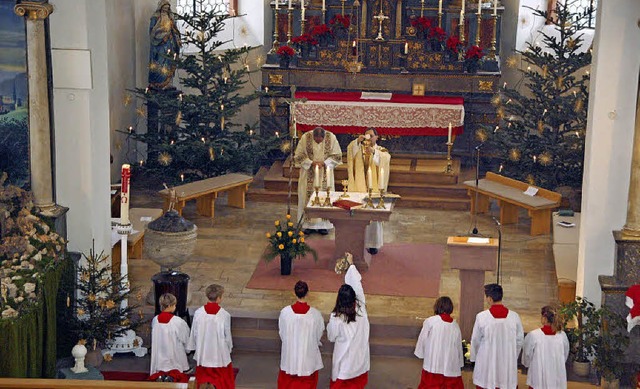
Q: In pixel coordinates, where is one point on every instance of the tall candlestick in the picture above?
(277, 6)
(381, 179)
(495, 7)
(479, 6)
(316, 177)
(406, 47)
(124, 196)
(369, 178)
(324, 5)
(290, 5)
(302, 4)
(449, 139)
(439, 6)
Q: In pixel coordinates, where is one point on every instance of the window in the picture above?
(579, 6)
(193, 6)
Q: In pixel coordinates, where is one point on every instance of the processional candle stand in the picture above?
(276, 44)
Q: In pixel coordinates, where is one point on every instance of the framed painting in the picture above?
(14, 99)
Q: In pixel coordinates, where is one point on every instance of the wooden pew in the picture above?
(206, 191)
(509, 194)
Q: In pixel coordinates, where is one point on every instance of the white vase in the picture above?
(79, 351)
(581, 368)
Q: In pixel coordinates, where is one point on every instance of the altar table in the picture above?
(390, 114)
(350, 224)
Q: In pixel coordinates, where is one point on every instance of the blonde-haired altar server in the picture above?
(169, 337)
(364, 155)
(348, 328)
(301, 327)
(318, 153)
(545, 353)
(440, 346)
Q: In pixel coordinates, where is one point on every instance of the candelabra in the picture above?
(289, 24)
(369, 200)
(276, 44)
(381, 202)
(449, 168)
(478, 28)
(492, 50)
(316, 199)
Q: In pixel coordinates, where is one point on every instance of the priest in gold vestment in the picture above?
(364, 155)
(318, 151)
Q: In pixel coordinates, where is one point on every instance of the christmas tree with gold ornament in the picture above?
(543, 119)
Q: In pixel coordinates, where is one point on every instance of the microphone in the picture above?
(474, 231)
(496, 221)
(478, 147)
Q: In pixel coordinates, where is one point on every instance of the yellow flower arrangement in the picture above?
(288, 217)
(281, 247)
(290, 224)
(268, 235)
(279, 234)
(290, 233)
(287, 240)
(277, 223)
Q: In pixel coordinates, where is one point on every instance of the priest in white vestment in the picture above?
(545, 353)
(364, 155)
(348, 328)
(169, 337)
(317, 153)
(439, 345)
(496, 342)
(300, 327)
(211, 340)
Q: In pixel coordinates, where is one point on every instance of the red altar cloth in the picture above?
(390, 114)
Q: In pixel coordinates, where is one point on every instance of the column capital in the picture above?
(33, 10)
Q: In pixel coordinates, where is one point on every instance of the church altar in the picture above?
(350, 224)
(390, 114)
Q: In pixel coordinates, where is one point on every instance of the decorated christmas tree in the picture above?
(192, 134)
(540, 138)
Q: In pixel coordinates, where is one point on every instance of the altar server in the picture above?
(545, 352)
(211, 340)
(496, 342)
(301, 327)
(169, 336)
(317, 154)
(368, 167)
(349, 328)
(440, 346)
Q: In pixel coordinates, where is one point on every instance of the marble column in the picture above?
(632, 226)
(39, 119)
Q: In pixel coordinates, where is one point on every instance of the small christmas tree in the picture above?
(98, 314)
(540, 139)
(195, 136)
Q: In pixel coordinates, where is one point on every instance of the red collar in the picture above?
(499, 311)
(300, 308)
(446, 317)
(165, 317)
(211, 308)
(547, 330)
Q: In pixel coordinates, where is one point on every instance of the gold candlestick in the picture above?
(289, 25)
(345, 184)
(421, 8)
(324, 16)
(276, 43)
(381, 202)
(303, 23)
(449, 168)
(316, 200)
(440, 19)
(327, 200)
(492, 51)
(478, 28)
(343, 1)
(369, 200)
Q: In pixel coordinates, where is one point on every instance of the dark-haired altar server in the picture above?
(301, 327)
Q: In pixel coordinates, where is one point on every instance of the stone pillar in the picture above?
(39, 119)
(632, 226)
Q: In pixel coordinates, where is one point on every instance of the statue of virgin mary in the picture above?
(165, 43)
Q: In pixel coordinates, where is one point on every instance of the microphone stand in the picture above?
(475, 208)
(499, 228)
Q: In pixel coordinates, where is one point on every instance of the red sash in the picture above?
(290, 381)
(221, 377)
(439, 381)
(358, 382)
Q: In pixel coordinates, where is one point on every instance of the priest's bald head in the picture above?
(318, 134)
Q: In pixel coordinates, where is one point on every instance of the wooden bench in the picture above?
(509, 194)
(206, 191)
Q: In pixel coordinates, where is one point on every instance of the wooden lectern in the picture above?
(472, 259)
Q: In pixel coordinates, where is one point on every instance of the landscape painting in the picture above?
(14, 127)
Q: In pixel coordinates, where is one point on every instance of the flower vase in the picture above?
(94, 357)
(581, 368)
(304, 51)
(285, 264)
(284, 62)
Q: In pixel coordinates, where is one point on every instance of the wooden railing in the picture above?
(37, 383)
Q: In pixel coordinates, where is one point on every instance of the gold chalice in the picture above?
(345, 185)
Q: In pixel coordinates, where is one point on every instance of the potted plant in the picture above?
(323, 34)
(609, 349)
(422, 26)
(287, 242)
(437, 36)
(453, 46)
(582, 326)
(472, 57)
(340, 25)
(304, 43)
(285, 53)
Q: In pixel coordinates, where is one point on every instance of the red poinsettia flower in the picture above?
(421, 23)
(340, 21)
(438, 34)
(474, 52)
(453, 43)
(304, 40)
(285, 51)
(321, 30)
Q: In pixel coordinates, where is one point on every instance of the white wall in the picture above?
(609, 140)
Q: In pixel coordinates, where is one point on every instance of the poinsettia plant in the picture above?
(437, 34)
(422, 25)
(340, 21)
(453, 44)
(321, 31)
(304, 41)
(285, 52)
(474, 53)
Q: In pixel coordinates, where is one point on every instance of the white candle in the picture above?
(329, 178)
(324, 5)
(440, 6)
(290, 5)
(479, 6)
(302, 4)
(316, 177)
(302, 14)
(277, 6)
(406, 47)
(449, 141)
(381, 179)
(124, 196)
(495, 7)
(369, 178)
(462, 10)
